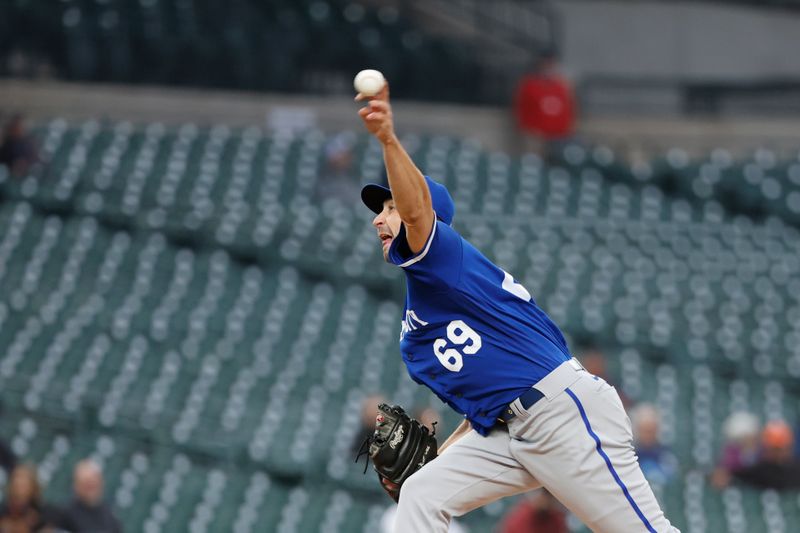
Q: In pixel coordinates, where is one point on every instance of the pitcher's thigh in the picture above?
(584, 456)
(474, 471)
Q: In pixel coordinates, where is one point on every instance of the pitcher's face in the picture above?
(387, 222)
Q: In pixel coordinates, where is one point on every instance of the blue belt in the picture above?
(528, 398)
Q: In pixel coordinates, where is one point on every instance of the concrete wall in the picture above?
(491, 126)
(687, 41)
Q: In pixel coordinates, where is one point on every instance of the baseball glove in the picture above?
(399, 447)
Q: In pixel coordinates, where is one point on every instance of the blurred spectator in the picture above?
(88, 513)
(658, 463)
(777, 467)
(369, 410)
(338, 179)
(544, 104)
(23, 510)
(7, 459)
(18, 150)
(741, 432)
(537, 512)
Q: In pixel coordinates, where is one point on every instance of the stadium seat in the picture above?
(186, 290)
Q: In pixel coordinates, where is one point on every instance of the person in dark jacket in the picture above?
(7, 458)
(88, 512)
(18, 150)
(778, 468)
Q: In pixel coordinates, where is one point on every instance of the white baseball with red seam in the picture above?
(369, 82)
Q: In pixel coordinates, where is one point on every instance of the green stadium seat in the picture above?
(174, 295)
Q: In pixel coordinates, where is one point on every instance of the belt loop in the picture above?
(574, 363)
(521, 413)
(559, 379)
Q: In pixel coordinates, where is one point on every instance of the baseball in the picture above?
(369, 82)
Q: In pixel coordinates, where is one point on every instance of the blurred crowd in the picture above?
(24, 509)
(764, 457)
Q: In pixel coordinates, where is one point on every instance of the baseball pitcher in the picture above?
(473, 335)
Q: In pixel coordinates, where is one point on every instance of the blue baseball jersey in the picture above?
(470, 332)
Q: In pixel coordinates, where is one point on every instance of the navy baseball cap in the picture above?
(373, 196)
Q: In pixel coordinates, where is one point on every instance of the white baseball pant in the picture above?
(576, 442)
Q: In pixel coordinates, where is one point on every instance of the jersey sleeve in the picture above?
(440, 261)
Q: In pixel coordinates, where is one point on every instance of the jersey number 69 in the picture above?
(460, 334)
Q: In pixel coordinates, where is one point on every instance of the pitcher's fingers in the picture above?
(378, 105)
(376, 115)
(383, 94)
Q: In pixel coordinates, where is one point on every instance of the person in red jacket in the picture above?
(544, 103)
(537, 513)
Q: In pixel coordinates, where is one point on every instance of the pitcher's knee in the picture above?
(421, 503)
(418, 490)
